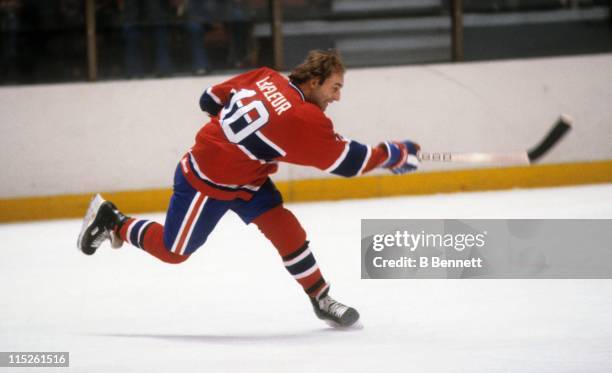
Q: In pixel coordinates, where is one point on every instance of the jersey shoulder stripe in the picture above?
(210, 103)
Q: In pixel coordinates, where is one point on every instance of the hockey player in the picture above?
(257, 119)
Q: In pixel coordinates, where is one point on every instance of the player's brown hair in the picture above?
(318, 64)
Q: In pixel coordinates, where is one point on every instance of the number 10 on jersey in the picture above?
(240, 121)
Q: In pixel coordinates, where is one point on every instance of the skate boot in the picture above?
(99, 225)
(334, 312)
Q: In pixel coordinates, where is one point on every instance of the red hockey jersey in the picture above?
(258, 119)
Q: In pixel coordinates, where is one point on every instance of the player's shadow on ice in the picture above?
(235, 338)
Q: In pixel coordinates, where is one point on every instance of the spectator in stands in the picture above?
(136, 15)
(238, 20)
(198, 15)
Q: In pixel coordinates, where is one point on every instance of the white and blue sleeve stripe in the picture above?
(352, 161)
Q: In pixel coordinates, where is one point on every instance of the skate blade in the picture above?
(116, 241)
(89, 218)
(357, 325)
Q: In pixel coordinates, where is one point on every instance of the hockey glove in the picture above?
(402, 156)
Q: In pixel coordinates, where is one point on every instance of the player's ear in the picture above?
(313, 83)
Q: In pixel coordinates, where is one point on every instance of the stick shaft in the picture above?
(500, 158)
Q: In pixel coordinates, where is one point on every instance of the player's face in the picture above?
(328, 92)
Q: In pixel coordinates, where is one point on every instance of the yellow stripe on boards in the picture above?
(536, 176)
(71, 206)
(133, 202)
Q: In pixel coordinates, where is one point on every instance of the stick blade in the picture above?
(559, 129)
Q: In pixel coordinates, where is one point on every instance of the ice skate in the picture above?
(335, 313)
(98, 226)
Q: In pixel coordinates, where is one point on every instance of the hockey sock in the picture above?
(149, 236)
(283, 229)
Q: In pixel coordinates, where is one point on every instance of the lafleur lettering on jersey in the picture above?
(274, 97)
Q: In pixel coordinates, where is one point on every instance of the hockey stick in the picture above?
(559, 129)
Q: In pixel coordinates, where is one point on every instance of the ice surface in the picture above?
(233, 308)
